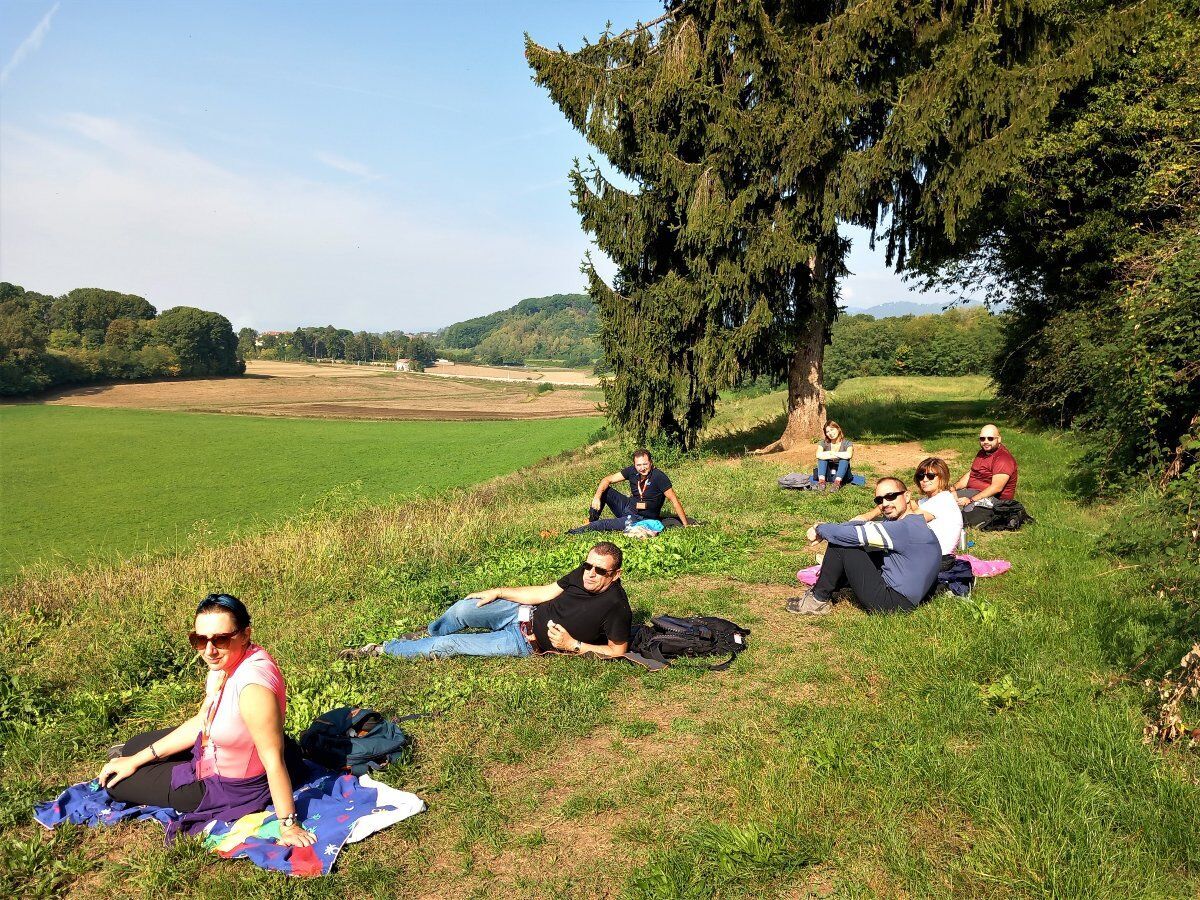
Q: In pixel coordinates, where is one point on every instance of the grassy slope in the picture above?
(970, 749)
(81, 482)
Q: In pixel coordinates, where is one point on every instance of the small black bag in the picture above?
(354, 739)
(1007, 515)
(670, 637)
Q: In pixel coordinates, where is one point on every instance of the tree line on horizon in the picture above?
(91, 334)
(328, 342)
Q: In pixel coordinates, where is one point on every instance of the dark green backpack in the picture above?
(354, 739)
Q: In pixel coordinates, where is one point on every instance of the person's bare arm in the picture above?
(997, 485)
(962, 482)
(260, 712)
(605, 483)
(675, 502)
(564, 643)
(844, 454)
(180, 739)
(869, 516)
(528, 596)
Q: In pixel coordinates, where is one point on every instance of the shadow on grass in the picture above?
(874, 420)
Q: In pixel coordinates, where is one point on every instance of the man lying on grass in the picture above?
(888, 566)
(585, 611)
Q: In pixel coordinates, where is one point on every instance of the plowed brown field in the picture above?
(349, 392)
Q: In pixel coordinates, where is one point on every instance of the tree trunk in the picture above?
(806, 390)
(806, 393)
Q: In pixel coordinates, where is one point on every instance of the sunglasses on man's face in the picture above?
(927, 476)
(984, 440)
(599, 570)
(220, 641)
(887, 498)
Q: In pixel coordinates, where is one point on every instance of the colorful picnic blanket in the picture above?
(338, 809)
(980, 568)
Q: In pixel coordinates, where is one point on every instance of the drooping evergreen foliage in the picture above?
(91, 334)
(748, 130)
(718, 237)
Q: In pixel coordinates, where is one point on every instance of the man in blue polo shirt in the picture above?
(649, 487)
(889, 565)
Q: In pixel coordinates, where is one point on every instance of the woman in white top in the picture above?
(833, 457)
(937, 503)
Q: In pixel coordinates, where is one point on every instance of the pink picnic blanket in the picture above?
(980, 568)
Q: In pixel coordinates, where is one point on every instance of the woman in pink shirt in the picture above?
(229, 759)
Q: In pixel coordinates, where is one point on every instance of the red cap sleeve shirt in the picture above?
(1000, 462)
(229, 750)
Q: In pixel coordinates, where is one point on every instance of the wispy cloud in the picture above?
(30, 44)
(92, 201)
(348, 166)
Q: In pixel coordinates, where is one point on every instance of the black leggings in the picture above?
(151, 784)
(860, 570)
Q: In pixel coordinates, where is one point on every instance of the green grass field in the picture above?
(80, 483)
(981, 748)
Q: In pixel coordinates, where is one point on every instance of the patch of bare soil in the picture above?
(347, 392)
(882, 459)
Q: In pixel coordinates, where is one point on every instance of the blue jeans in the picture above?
(843, 469)
(503, 637)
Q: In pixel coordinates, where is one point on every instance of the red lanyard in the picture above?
(641, 486)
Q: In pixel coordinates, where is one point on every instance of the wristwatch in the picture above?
(288, 821)
(578, 646)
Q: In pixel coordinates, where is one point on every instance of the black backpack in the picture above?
(354, 739)
(670, 637)
(1007, 515)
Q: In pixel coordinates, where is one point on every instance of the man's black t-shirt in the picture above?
(649, 489)
(591, 618)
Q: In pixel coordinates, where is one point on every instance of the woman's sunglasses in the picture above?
(879, 500)
(599, 570)
(220, 641)
(926, 476)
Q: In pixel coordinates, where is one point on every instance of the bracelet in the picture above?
(154, 752)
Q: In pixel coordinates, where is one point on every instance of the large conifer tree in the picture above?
(727, 261)
(749, 129)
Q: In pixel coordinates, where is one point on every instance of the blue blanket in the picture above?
(338, 809)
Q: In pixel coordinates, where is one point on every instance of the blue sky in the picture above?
(369, 165)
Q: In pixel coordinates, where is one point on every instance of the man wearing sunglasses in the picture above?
(993, 472)
(585, 611)
(889, 566)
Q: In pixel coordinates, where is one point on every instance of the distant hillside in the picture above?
(898, 308)
(561, 327)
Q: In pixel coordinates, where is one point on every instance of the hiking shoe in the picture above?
(361, 652)
(835, 487)
(809, 605)
(820, 488)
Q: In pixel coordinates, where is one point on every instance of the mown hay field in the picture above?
(346, 392)
(985, 747)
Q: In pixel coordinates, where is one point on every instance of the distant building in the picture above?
(259, 342)
(403, 365)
